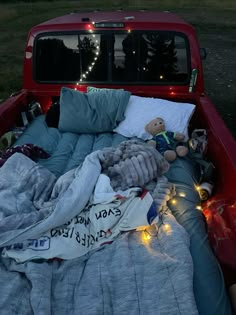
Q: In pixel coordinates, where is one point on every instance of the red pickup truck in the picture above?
(152, 55)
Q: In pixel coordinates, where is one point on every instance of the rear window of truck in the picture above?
(137, 57)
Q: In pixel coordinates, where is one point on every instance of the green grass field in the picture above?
(209, 17)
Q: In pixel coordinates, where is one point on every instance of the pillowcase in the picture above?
(140, 110)
(91, 112)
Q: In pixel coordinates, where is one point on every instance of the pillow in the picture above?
(140, 110)
(91, 112)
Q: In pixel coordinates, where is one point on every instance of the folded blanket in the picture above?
(132, 163)
(91, 112)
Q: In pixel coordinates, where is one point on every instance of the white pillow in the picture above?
(140, 110)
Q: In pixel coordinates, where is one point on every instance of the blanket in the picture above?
(96, 225)
(30, 150)
(132, 163)
(148, 271)
(60, 200)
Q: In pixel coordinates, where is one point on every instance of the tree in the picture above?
(162, 57)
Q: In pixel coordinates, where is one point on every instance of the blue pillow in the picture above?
(95, 112)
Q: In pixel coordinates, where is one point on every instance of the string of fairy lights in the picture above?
(90, 67)
(151, 231)
(85, 74)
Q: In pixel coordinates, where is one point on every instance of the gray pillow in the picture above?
(95, 112)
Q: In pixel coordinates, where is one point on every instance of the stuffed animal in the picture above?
(166, 142)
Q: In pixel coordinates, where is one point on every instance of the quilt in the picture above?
(146, 270)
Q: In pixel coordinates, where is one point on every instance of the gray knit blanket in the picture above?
(135, 163)
(132, 163)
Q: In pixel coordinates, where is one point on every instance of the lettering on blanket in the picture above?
(104, 213)
(89, 239)
(39, 244)
(96, 225)
(83, 239)
(70, 230)
(79, 219)
(64, 232)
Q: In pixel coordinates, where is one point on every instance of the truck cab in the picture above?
(120, 49)
(149, 54)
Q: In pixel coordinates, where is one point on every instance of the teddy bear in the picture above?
(166, 142)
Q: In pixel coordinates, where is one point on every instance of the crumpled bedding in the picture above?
(140, 272)
(68, 151)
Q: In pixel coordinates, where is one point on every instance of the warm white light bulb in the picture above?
(167, 228)
(145, 236)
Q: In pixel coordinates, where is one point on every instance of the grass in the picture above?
(17, 17)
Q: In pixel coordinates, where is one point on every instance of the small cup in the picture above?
(205, 191)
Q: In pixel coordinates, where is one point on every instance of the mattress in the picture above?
(68, 150)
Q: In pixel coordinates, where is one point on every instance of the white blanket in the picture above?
(98, 224)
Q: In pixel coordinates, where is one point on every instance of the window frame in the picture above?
(109, 81)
